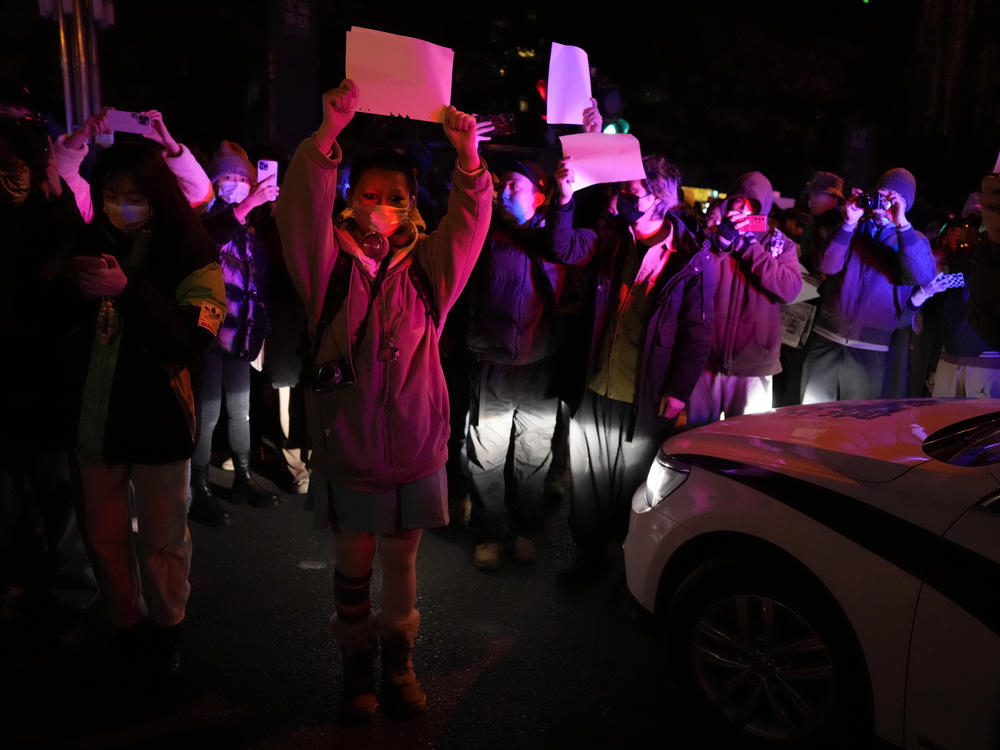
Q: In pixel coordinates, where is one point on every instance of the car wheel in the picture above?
(769, 654)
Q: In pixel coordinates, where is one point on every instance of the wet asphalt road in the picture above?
(511, 660)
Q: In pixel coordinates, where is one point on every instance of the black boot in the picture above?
(246, 488)
(205, 507)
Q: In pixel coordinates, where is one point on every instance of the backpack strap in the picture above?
(337, 288)
(425, 290)
(336, 293)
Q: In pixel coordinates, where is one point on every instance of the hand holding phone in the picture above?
(128, 122)
(266, 168)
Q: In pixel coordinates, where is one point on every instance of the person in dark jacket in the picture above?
(984, 276)
(652, 300)
(42, 557)
(227, 361)
(873, 263)
(154, 301)
(513, 405)
(758, 270)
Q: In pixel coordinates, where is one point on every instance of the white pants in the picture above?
(715, 394)
(964, 381)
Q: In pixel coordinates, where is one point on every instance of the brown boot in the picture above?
(357, 648)
(401, 693)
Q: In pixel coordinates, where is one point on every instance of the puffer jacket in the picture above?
(243, 263)
(392, 426)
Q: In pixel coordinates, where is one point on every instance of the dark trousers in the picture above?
(40, 541)
(834, 372)
(229, 375)
(607, 469)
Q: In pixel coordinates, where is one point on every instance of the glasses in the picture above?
(637, 197)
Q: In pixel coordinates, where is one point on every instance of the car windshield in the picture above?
(971, 442)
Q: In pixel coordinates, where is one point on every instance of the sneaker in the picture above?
(522, 550)
(486, 556)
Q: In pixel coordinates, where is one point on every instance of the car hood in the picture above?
(867, 441)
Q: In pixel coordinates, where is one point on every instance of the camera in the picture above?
(869, 201)
(330, 376)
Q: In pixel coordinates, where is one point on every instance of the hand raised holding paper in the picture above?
(338, 110)
(564, 181)
(464, 134)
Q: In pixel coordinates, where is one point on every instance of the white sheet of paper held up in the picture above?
(568, 89)
(603, 157)
(399, 75)
(996, 167)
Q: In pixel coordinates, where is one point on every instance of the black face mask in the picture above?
(628, 208)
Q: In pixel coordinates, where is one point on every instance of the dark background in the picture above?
(720, 88)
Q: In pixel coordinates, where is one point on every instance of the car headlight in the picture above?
(665, 475)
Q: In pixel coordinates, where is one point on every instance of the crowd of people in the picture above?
(144, 287)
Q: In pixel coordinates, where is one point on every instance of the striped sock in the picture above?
(352, 596)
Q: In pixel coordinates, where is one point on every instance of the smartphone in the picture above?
(952, 280)
(503, 124)
(758, 223)
(266, 168)
(128, 122)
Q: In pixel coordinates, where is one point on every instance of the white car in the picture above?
(832, 570)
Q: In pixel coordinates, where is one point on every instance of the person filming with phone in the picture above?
(873, 262)
(241, 337)
(758, 271)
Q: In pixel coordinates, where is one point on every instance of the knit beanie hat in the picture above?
(827, 182)
(230, 159)
(902, 182)
(533, 172)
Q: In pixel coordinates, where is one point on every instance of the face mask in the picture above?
(382, 218)
(231, 191)
(128, 217)
(15, 183)
(628, 208)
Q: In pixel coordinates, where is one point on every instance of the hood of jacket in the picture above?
(755, 186)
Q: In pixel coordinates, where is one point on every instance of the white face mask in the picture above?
(231, 191)
(128, 217)
(383, 219)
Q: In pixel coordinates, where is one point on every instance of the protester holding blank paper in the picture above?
(652, 285)
(376, 292)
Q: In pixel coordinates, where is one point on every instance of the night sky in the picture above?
(719, 88)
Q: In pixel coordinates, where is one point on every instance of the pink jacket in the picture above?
(391, 427)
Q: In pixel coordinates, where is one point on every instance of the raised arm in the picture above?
(453, 248)
(305, 205)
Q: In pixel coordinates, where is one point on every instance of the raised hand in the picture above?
(592, 120)
(564, 181)
(265, 192)
(464, 134)
(160, 134)
(338, 110)
(852, 211)
(94, 125)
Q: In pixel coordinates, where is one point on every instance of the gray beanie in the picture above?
(902, 181)
(230, 159)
